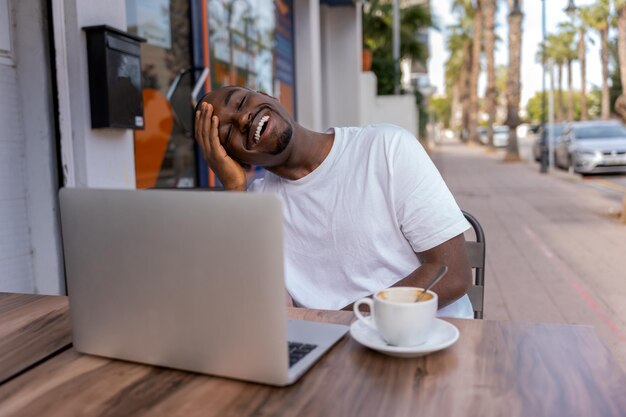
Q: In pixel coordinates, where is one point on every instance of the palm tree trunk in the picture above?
(491, 94)
(559, 96)
(604, 53)
(620, 104)
(570, 92)
(475, 73)
(455, 107)
(513, 82)
(582, 58)
(465, 94)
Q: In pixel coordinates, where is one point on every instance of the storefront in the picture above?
(191, 46)
(194, 46)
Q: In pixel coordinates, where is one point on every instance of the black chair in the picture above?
(476, 255)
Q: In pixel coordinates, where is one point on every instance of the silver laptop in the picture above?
(191, 280)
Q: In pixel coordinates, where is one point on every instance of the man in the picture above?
(365, 208)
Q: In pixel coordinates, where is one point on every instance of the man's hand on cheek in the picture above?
(229, 171)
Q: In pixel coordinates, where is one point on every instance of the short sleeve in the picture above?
(426, 211)
(256, 186)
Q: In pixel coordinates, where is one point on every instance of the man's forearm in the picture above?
(234, 187)
(457, 281)
(449, 289)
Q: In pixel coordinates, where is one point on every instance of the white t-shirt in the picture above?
(353, 225)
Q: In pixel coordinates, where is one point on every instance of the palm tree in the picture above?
(513, 82)
(566, 39)
(620, 8)
(459, 64)
(555, 56)
(491, 95)
(502, 75)
(477, 34)
(583, 26)
(599, 14)
(455, 74)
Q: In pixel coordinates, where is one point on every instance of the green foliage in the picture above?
(596, 15)
(383, 67)
(459, 41)
(533, 107)
(615, 89)
(378, 38)
(423, 114)
(440, 108)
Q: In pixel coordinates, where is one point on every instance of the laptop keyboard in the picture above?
(298, 351)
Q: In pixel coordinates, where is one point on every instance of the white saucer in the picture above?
(443, 335)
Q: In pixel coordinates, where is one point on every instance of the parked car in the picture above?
(500, 136)
(593, 147)
(559, 128)
(482, 135)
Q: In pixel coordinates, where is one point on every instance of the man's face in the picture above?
(253, 127)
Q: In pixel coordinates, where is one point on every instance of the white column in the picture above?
(37, 113)
(308, 64)
(95, 158)
(341, 64)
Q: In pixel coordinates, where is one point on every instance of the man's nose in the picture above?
(243, 119)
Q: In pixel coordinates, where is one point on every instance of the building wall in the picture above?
(29, 233)
(341, 38)
(308, 58)
(31, 258)
(397, 110)
(16, 268)
(94, 158)
(32, 56)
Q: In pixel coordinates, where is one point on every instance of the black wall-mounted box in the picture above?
(115, 93)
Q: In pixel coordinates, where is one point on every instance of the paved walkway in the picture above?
(555, 249)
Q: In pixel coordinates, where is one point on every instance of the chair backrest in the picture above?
(476, 255)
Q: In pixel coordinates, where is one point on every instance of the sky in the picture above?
(531, 71)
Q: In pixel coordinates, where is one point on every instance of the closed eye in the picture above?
(239, 106)
(243, 100)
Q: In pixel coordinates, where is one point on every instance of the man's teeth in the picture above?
(257, 134)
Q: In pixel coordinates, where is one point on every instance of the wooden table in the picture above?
(32, 327)
(495, 369)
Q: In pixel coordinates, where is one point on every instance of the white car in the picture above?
(593, 147)
(500, 136)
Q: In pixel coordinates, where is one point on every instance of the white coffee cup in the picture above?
(398, 317)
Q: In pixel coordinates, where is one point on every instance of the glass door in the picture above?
(247, 43)
(165, 153)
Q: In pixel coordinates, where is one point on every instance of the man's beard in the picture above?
(283, 141)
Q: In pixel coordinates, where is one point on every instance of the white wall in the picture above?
(16, 269)
(341, 63)
(29, 229)
(100, 158)
(308, 56)
(35, 101)
(397, 110)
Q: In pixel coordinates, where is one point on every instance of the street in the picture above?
(555, 247)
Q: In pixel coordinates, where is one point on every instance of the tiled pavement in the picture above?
(555, 249)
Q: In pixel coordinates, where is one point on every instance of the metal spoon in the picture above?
(442, 271)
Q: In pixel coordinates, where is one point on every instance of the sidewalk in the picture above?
(556, 252)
